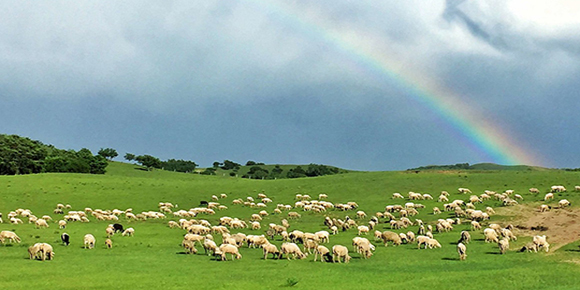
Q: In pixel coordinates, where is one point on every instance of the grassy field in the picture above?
(153, 258)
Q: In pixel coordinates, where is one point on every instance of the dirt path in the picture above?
(560, 225)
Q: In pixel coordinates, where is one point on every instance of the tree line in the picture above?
(21, 155)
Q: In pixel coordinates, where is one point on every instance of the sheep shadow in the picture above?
(450, 259)
(493, 253)
(572, 250)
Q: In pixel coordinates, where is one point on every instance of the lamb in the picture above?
(504, 245)
(270, 249)
(291, 248)
(11, 236)
(89, 241)
(323, 252)
(338, 252)
(475, 225)
(65, 238)
(109, 243)
(61, 224)
(392, 237)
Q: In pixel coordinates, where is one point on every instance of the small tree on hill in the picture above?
(149, 161)
(108, 153)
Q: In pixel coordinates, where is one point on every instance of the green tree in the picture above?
(108, 153)
(148, 161)
(229, 165)
(179, 165)
(129, 157)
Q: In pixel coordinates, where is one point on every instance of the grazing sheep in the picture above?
(209, 246)
(563, 203)
(109, 243)
(388, 236)
(462, 251)
(65, 238)
(89, 241)
(548, 196)
(433, 243)
(490, 235)
(293, 215)
(118, 228)
(189, 246)
(323, 236)
(531, 246)
(11, 236)
(363, 229)
(475, 225)
(291, 248)
(40, 223)
(270, 249)
(110, 231)
(544, 208)
(323, 252)
(504, 245)
(46, 251)
(508, 234)
(541, 242)
(129, 232)
(422, 240)
(34, 251)
(465, 237)
(338, 252)
(61, 224)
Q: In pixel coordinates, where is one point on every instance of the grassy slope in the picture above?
(153, 257)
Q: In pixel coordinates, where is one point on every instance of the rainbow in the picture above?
(482, 136)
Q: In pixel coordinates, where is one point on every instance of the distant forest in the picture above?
(21, 155)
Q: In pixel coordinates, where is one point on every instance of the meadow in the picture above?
(154, 258)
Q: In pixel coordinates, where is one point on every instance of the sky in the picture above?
(362, 85)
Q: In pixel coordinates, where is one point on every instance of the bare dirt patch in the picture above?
(561, 226)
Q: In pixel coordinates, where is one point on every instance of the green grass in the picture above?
(154, 258)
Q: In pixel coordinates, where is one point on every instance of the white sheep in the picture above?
(462, 251)
(339, 252)
(40, 223)
(109, 243)
(504, 245)
(270, 249)
(11, 236)
(89, 241)
(291, 248)
(128, 232)
(321, 251)
(490, 235)
(229, 249)
(563, 203)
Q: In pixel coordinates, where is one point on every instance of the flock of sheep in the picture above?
(398, 217)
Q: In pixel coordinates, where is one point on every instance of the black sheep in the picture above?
(203, 202)
(118, 228)
(65, 238)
